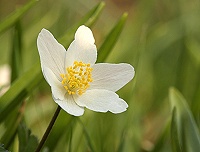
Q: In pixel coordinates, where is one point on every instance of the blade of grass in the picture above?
(15, 62)
(11, 131)
(190, 138)
(176, 147)
(89, 19)
(86, 134)
(16, 54)
(111, 39)
(14, 16)
(70, 140)
(19, 90)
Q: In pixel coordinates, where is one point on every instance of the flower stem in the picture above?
(48, 129)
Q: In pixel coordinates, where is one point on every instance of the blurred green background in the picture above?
(161, 39)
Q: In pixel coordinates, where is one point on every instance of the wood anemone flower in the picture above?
(76, 81)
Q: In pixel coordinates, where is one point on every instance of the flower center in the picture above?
(77, 78)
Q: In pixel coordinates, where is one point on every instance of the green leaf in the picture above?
(19, 90)
(12, 126)
(86, 134)
(14, 16)
(27, 142)
(111, 39)
(89, 19)
(16, 66)
(185, 134)
(176, 147)
(2, 149)
(70, 140)
(16, 52)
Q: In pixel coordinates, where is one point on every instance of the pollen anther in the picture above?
(77, 78)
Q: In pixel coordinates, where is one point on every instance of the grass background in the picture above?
(160, 39)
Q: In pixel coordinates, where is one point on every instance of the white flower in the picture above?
(76, 81)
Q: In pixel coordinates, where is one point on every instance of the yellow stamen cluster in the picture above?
(77, 78)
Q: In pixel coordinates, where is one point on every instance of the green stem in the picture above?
(48, 129)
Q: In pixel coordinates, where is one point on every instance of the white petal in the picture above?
(111, 76)
(52, 54)
(84, 33)
(70, 106)
(82, 48)
(57, 89)
(119, 107)
(102, 101)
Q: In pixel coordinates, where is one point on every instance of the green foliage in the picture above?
(88, 139)
(16, 53)
(15, 16)
(185, 135)
(111, 39)
(27, 142)
(12, 126)
(2, 149)
(88, 20)
(19, 90)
